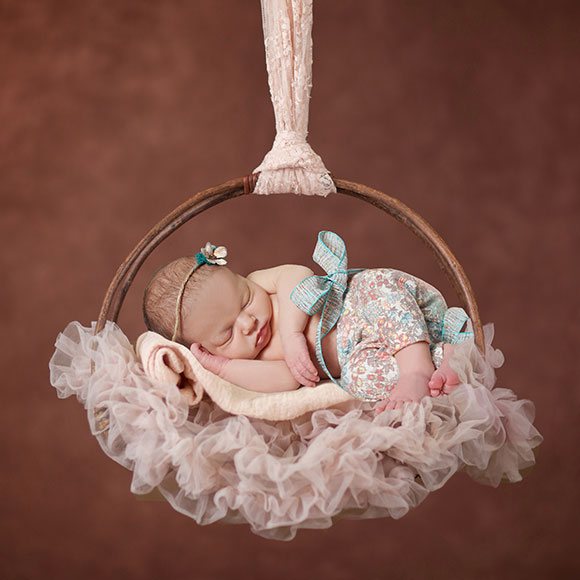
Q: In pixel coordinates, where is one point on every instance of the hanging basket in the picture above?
(305, 472)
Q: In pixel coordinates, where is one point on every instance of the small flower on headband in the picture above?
(215, 255)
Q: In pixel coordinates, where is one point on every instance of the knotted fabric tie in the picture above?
(453, 321)
(291, 166)
(325, 292)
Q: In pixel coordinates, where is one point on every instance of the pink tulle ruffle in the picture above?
(282, 476)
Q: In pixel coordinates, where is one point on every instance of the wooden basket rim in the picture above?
(207, 198)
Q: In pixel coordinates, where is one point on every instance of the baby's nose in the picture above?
(249, 323)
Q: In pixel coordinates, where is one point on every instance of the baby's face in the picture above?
(231, 316)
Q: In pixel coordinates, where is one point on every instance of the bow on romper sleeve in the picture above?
(377, 313)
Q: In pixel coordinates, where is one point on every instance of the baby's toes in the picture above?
(381, 406)
(449, 388)
(394, 404)
(436, 384)
(437, 380)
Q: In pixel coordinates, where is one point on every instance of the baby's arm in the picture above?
(281, 280)
(270, 376)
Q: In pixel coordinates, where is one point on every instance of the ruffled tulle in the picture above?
(304, 473)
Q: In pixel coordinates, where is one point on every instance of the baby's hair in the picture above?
(162, 294)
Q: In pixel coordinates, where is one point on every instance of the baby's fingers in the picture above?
(304, 362)
(195, 349)
(308, 371)
(208, 361)
(309, 367)
(302, 378)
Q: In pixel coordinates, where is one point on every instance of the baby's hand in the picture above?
(298, 359)
(214, 364)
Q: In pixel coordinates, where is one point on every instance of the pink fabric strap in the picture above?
(291, 166)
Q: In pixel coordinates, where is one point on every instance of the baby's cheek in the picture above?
(210, 349)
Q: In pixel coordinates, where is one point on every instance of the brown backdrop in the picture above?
(113, 112)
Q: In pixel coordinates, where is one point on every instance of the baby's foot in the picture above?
(444, 379)
(411, 387)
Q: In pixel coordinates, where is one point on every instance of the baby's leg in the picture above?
(415, 371)
(372, 374)
(402, 328)
(394, 314)
(434, 309)
(444, 380)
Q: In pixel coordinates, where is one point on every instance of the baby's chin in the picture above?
(260, 349)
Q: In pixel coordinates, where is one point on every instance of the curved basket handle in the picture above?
(425, 232)
(203, 200)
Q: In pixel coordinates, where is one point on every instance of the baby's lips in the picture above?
(261, 334)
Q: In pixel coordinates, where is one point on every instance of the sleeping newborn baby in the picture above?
(377, 333)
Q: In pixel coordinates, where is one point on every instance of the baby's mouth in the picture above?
(261, 336)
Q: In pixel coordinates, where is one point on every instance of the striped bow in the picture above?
(325, 292)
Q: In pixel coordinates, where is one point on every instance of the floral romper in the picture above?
(384, 311)
(376, 312)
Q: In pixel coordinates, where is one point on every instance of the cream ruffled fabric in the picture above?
(291, 166)
(301, 473)
(169, 362)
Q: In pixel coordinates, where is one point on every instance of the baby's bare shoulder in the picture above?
(265, 278)
(270, 278)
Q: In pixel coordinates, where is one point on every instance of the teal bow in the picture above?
(325, 292)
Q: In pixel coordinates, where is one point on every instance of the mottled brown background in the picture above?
(113, 112)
